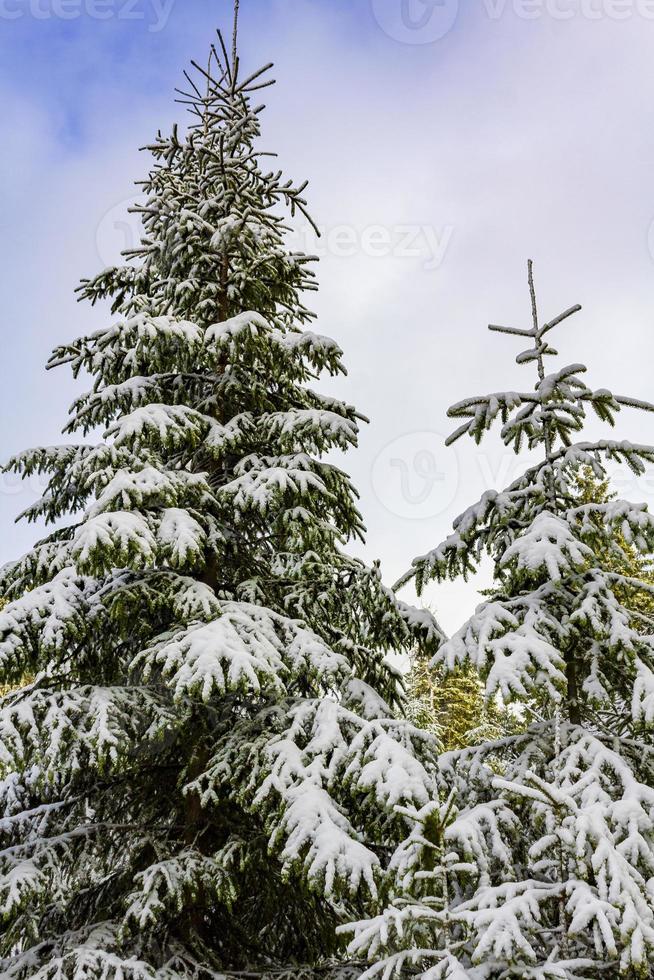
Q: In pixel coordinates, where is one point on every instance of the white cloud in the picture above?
(525, 138)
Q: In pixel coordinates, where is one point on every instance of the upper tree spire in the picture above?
(541, 347)
(235, 32)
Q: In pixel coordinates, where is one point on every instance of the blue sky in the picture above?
(444, 144)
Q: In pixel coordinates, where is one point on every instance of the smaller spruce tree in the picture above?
(536, 861)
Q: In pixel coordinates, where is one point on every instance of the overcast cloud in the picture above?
(444, 146)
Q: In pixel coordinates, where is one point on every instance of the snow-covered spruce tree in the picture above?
(537, 859)
(202, 774)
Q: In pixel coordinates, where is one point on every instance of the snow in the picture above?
(53, 612)
(261, 481)
(642, 705)
(248, 322)
(167, 425)
(549, 546)
(182, 538)
(247, 648)
(145, 487)
(512, 646)
(114, 539)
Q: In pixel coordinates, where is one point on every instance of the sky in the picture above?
(445, 144)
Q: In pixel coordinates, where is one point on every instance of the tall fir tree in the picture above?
(203, 773)
(537, 858)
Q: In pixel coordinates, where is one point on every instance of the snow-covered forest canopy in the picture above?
(211, 764)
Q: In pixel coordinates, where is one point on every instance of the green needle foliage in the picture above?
(452, 705)
(203, 774)
(618, 554)
(536, 859)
